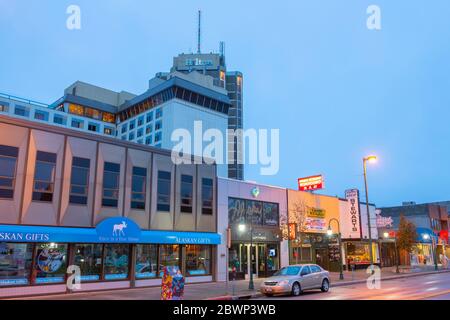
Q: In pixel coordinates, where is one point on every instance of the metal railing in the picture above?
(24, 100)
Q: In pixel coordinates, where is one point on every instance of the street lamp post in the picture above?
(371, 159)
(330, 232)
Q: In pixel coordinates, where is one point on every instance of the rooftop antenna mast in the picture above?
(199, 31)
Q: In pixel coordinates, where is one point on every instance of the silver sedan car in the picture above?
(296, 278)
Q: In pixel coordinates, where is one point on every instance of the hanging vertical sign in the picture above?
(350, 216)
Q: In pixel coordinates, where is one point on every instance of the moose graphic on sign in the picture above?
(118, 229)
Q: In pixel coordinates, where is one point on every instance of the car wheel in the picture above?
(296, 289)
(325, 285)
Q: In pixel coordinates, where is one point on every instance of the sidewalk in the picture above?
(236, 289)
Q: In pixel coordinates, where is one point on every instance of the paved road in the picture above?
(427, 287)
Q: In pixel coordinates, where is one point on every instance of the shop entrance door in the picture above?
(321, 258)
(254, 259)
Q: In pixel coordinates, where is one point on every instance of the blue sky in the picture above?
(336, 90)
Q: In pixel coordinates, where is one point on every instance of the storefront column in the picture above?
(133, 266)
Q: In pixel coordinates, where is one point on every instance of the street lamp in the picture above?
(242, 228)
(330, 233)
(397, 262)
(371, 159)
(427, 237)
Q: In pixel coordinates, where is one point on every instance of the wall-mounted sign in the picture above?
(311, 183)
(383, 222)
(315, 225)
(292, 231)
(350, 216)
(316, 213)
(256, 192)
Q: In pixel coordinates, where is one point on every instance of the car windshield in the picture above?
(288, 271)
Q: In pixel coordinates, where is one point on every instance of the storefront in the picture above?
(116, 254)
(357, 254)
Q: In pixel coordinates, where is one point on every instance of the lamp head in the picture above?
(386, 235)
(242, 227)
(371, 159)
(329, 232)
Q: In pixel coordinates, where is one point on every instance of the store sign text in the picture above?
(19, 236)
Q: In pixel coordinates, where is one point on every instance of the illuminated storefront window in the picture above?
(89, 258)
(146, 261)
(50, 263)
(15, 263)
(169, 256)
(198, 260)
(116, 261)
(109, 117)
(92, 113)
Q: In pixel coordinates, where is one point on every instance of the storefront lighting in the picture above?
(386, 235)
(242, 228)
(426, 236)
(329, 232)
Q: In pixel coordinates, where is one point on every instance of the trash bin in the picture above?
(172, 286)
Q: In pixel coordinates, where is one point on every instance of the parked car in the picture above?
(295, 279)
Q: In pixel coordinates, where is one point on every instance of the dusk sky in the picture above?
(336, 90)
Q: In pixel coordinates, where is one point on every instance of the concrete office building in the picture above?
(118, 210)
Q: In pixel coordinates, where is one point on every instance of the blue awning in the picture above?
(117, 233)
(421, 232)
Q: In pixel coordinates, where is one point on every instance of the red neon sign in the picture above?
(311, 183)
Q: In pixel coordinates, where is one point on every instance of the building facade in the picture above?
(250, 220)
(118, 211)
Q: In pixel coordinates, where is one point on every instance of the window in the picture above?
(108, 131)
(109, 117)
(8, 162)
(270, 214)
(50, 263)
(15, 263)
(146, 261)
(77, 123)
(79, 181)
(158, 137)
(116, 261)
(158, 125)
(76, 109)
(149, 117)
(92, 127)
(186, 193)
(89, 258)
(131, 136)
(41, 115)
(148, 140)
(21, 111)
(163, 195)
(288, 271)
(169, 256)
(111, 176)
(140, 132)
(140, 121)
(44, 176)
(198, 260)
(138, 188)
(305, 271)
(4, 107)
(58, 119)
(124, 128)
(315, 269)
(148, 129)
(93, 113)
(158, 113)
(207, 196)
(132, 124)
(124, 138)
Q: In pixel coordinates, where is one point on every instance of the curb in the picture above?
(338, 284)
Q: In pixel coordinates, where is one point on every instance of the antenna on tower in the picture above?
(199, 31)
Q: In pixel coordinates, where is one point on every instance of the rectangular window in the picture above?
(109, 117)
(41, 115)
(76, 109)
(4, 107)
(158, 113)
(58, 119)
(50, 263)
(131, 136)
(146, 261)
(77, 123)
(109, 131)
(124, 128)
(116, 261)
(111, 176)
(148, 130)
(89, 258)
(138, 188)
(186, 193)
(158, 125)
(271, 214)
(8, 163)
(163, 193)
(132, 124)
(21, 111)
(140, 132)
(198, 260)
(207, 196)
(15, 264)
(92, 127)
(148, 140)
(169, 256)
(158, 137)
(44, 176)
(79, 181)
(140, 121)
(93, 113)
(149, 117)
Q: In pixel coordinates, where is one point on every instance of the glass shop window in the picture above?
(79, 181)
(8, 164)
(169, 256)
(50, 263)
(111, 177)
(198, 260)
(44, 176)
(15, 263)
(116, 261)
(138, 189)
(163, 193)
(89, 258)
(146, 261)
